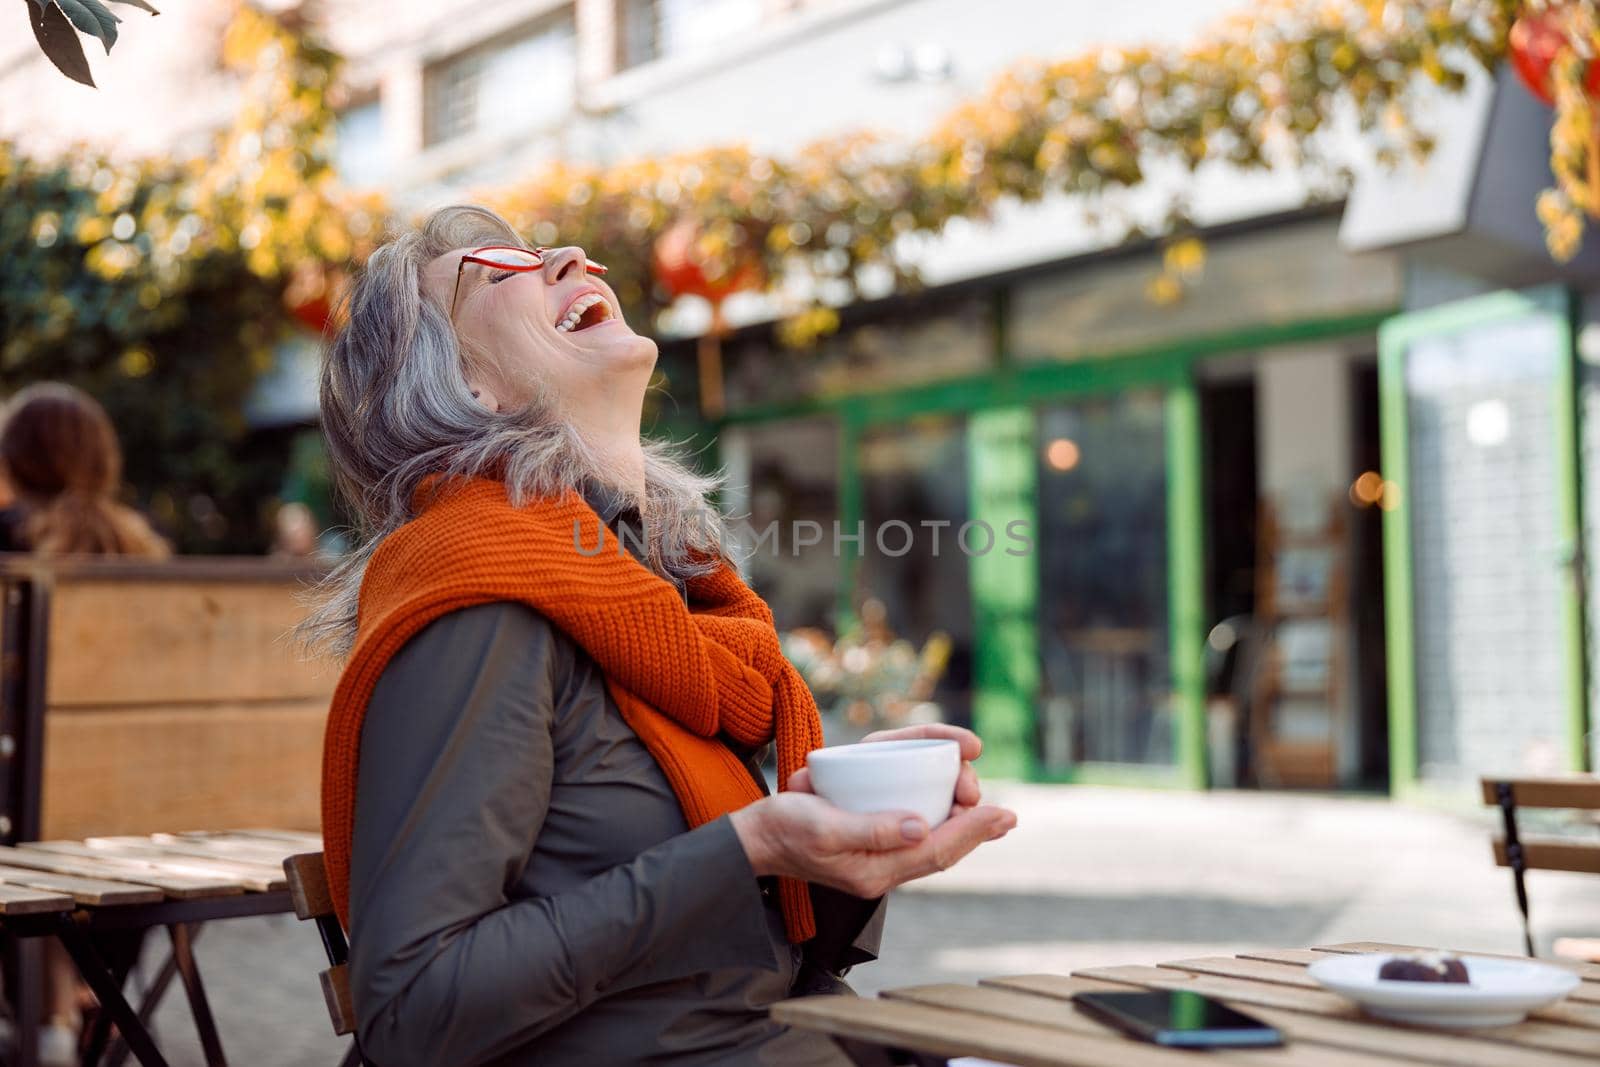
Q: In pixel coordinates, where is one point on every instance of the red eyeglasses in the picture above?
(509, 258)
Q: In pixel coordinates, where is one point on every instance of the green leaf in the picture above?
(92, 17)
(60, 43)
(144, 4)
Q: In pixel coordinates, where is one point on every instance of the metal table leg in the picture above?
(109, 992)
(189, 971)
(121, 955)
(27, 1001)
(117, 1054)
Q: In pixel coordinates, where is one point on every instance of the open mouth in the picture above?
(587, 311)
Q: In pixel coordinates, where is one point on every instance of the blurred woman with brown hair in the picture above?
(60, 454)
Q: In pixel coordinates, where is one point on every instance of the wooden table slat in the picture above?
(1570, 1013)
(1035, 1009)
(1588, 993)
(928, 1029)
(1418, 1046)
(95, 892)
(1251, 970)
(177, 887)
(1556, 1037)
(297, 840)
(251, 850)
(144, 848)
(255, 877)
(1272, 996)
(1589, 972)
(254, 868)
(1302, 956)
(20, 900)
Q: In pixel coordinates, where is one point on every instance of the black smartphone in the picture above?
(1178, 1018)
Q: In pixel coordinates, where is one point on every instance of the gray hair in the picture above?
(396, 409)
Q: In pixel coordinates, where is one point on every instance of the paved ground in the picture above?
(1090, 876)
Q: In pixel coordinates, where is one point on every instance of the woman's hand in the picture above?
(800, 835)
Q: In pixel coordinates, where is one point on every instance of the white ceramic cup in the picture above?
(917, 776)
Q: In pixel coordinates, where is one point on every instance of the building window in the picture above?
(361, 155)
(955, 340)
(514, 83)
(656, 29)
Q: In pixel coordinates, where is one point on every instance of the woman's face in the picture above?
(528, 323)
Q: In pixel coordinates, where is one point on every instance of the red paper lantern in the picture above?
(682, 272)
(313, 314)
(1536, 40)
(311, 296)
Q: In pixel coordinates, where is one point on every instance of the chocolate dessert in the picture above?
(1429, 967)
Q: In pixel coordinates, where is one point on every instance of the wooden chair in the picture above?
(1522, 854)
(308, 889)
(157, 697)
(141, 697)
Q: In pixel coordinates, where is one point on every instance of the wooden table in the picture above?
(1028, 1020)
(85, 893)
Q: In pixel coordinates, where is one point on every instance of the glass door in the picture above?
(1104, 615)
(912, 582)
(1482, 574)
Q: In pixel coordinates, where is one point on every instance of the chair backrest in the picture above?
(159, 697)
(1580, 792)
(308, 891)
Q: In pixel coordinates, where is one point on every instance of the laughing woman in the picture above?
(546, 828)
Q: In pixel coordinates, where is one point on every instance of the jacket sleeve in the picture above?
(454, 781)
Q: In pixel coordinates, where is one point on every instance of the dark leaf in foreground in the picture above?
(93, 18)
(60, 43)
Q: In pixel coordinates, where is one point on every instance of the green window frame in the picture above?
(1395, 338)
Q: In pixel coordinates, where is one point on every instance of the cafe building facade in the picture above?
(1319, 522)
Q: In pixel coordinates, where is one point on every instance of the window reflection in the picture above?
(869, 357)
(656, 29)
(510, 85)
(1103, 600)
(787, 473)
(1281, 275)
(1481, 503)
(914, 501)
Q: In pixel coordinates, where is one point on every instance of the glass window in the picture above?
(1276, 276)
(1103, 573)
(1486, 549)
(872, 356)
(360, 154)
(515, 83)
(914, 502)
(656, 29)
(787, 473)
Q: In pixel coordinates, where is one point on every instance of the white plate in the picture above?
(1499, 992)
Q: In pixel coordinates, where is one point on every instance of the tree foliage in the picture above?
(159, 285)
(1280, 84)
(1574, 198)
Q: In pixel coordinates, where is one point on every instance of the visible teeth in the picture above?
(579, 306)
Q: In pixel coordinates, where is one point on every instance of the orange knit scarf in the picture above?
(687, 678)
